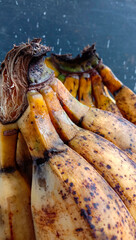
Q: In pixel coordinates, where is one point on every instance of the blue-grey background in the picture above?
(69, 25)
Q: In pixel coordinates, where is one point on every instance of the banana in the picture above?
(102, 100)
(110, 161)
(125, 98)
(72, 84)
(15, 213)
(104, 123)
(70, 200)
(85, 90)
(23, 159)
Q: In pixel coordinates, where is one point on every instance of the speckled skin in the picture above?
(66, 187)
(111, 162)
(110, 126)
(126, 101)
(102, 99)
(125, 97)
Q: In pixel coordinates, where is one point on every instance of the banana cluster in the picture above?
(93, 83)
(68, 163)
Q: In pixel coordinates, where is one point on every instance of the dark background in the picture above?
(69, 25)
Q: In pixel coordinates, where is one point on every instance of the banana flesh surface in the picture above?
(15, 213)
(70, 200)
(104, 123)
(109, 160)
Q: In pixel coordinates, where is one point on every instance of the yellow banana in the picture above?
(70, 200)
(104, 123)
(110, 161)
(72, 84)
(85, 90)
(15, 213)
(102, 100)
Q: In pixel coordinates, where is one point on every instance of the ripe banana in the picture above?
(109, 161)
(85, 90)
(15, 213)
(125, 97)
(70, 200)
(72, 84)
(102, 100)
(104, 123)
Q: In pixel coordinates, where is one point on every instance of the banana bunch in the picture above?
(96, 82)
(67, 170)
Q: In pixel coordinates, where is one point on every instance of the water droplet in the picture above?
(58, 41)
(64, 15)
(125, 76)
(60, 51)
(44, 13)
(108, 43)
(15, 35)
(28, 19)
(17, 3)
(59, 29)
(37, 25)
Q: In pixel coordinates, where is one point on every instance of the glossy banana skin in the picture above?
(104, 123)
(73, 200)
(109, 160)
(15, 213)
